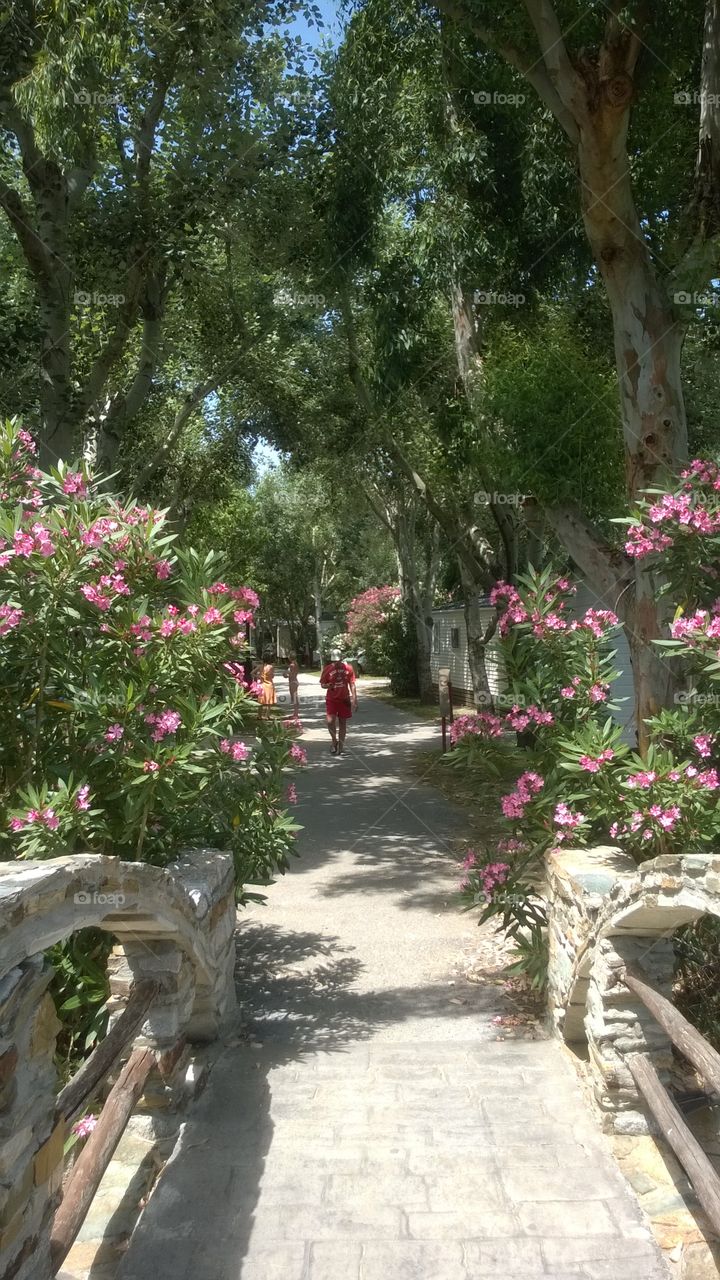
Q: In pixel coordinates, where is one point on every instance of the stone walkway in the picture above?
(375, 1127)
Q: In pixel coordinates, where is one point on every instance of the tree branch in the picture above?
(530, 69)
(551, 40)
(609, 571)
(186, 410)
(37, 257)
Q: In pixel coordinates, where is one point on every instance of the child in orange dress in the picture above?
(268, 697)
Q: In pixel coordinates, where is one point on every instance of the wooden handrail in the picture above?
(696, 1164)
(682, 1033)
(97, 1153)
(106, 1055)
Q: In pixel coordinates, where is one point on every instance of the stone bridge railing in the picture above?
(174, 925)
(606, 915)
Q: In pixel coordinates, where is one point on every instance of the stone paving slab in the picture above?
(377, 1129)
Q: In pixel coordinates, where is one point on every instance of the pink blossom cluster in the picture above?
(492, 876)
(82, 798)
(642, 541)
(298, 754)
(598, 621)
(83, 1128)
(44, 817)
(291, 794)
(512, 846)
(371, 609)
(593, 764)
(25, 544)
(703, 743)
(515, 611)
(74, 485)
(564, 817)
(683, 511)
(237, 751)
(527, 785)
(698, 627)
(101, 594)
(481, 724)
(520, 720)
(9, 618)
(165, 723)
(664, 818)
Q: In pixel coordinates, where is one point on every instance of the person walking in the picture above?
(293, 675)
(338, 679)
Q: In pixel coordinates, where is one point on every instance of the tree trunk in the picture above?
(476, 641)
(648, 344)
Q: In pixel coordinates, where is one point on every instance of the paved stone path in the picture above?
(376, 1128)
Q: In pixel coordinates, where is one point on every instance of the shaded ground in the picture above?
(375, 1123)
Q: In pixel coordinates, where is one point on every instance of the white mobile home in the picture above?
(450, 649)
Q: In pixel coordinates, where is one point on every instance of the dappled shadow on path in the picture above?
(297, 992)
(300, 998)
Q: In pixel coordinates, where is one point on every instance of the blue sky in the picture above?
(333, 24)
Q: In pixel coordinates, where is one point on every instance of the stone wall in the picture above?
(606, 913)
(174, 924)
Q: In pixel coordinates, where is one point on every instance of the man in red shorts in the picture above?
(338, 678)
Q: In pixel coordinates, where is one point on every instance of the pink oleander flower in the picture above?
(239, 751)
(82, 797)
(83, 1128)
(74, 485)
(247, 594)
(481, 724)
(167, 722)
(50, 819)
(643, 779)
(598, 693)
(9, 618)
(470, 859)
(643, 541)
(241, 616)
(212, 616)
(492, 876)
(512, 806)
(219, 589)
(93, 596)
(564, 817)
(298, 754)
(163, 569)
(193, 610)
(567, 692)
(151, 766)
(703, 744)
(16, 824)
(114, 733)
(291, 794)
(709, 779)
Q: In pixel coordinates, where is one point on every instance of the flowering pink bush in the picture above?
(125, 723)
